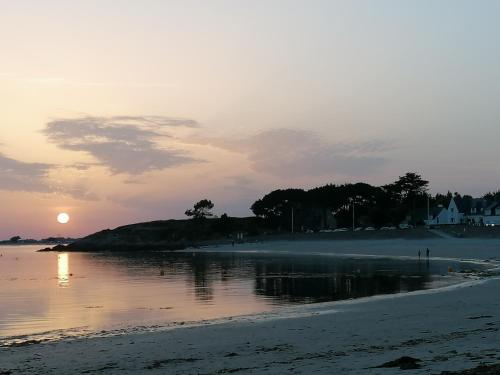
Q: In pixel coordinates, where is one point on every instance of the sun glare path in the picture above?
(63, 269)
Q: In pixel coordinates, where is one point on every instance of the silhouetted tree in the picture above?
(389, 204)
(276, 207)
(410, 190)
(201, 209)
(492, 196)
(441, 199)
(15, 239)
(407, 187)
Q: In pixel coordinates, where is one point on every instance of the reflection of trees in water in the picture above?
(201, 271)
(333, 280)
(293, 288)
(283, 278)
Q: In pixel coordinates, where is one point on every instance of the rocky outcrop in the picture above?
(160, 235)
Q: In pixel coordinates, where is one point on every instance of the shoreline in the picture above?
(460, 280)
(387, 324)
(411, 235)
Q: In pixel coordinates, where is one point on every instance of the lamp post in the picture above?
(353, 221)
(353, 215)
(428, 208)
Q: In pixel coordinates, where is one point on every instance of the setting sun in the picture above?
(63, 218)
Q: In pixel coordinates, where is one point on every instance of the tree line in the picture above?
(373, 205)
(404, 200)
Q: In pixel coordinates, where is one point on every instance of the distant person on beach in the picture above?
(427, 252)
(419, 255)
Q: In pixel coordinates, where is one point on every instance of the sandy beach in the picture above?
(448, 329)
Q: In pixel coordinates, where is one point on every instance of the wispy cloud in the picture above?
(296, 153)
(22, 176)
(133, 181)
(80, 166)
(80, 192)
(124, 144)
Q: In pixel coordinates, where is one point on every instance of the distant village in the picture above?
(17, 240)
(476, 211)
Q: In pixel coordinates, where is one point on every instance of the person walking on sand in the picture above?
(419, 255)
(427, 252)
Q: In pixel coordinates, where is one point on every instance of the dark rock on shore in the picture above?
(404, 363)
(59, 248)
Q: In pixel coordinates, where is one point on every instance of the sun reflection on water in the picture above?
(63, 269)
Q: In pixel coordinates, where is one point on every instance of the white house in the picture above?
(475, 215)
(478, 214)
(492, 210)
(492, 214)
(455, 214)
(447, 215)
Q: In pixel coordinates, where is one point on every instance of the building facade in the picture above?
(477, 212)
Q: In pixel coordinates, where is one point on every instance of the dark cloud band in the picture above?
(124, 144)
(22, 176)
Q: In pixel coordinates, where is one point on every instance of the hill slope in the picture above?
(164, 235)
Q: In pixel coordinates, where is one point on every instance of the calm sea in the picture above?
(46, 294)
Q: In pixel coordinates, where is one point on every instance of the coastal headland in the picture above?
(182, 234)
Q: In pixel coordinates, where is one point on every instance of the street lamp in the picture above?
(286, 202)
(353, 215)
(428, 208)
(353, 222)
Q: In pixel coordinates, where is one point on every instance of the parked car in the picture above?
(405, 226)
(358, 229)
(326, 231)
(369, 228)
(341, 230)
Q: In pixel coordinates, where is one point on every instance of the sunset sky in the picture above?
(126, 111)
